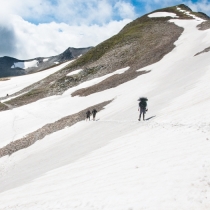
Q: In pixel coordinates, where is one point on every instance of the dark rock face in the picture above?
(71, 53)
(5, 67)
(8, 69)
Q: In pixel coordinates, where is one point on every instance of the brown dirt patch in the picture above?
(110, 82)
(204, 25)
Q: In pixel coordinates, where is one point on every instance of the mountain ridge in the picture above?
(10, 66)
(140, 43)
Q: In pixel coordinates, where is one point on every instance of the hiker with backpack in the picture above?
(88, 113)
(94, 114)
(142, 107)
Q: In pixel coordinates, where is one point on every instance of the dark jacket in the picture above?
(94, 112)
(143, 104)
(88, 113)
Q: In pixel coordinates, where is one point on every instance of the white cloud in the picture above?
(31, 28)
(26, 8)
(125, 10)
(44, 27)
(53, 38)
(71, 11)
(201, 6)
(83, 12)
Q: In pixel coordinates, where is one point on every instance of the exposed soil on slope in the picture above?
(48, 129)
(204, 25)
(110, 82)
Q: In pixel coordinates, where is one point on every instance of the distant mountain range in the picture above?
(14, 67)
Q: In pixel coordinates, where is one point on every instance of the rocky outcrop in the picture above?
(110, 82)
(204, 25)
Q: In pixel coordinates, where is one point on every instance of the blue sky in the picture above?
(73, 12)
(31, 28)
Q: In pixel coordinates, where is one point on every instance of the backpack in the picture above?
(143, 104)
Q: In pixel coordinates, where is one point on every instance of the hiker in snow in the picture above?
(142, 107)
(88, 113)
(94, 113)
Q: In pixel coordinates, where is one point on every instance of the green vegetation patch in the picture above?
(133, 31)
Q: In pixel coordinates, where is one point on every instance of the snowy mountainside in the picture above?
(14, 67)
(116, 162)
(140, 43)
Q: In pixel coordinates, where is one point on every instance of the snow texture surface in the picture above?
(45, 59)
(74, 72)
(15, 84)
(26, 64)
(117, 162)
(162, 14)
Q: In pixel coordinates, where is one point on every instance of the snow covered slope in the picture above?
(16, 84)
(117, 162)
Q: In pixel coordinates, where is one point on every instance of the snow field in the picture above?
(26, 64)
(131, 171)
(15, 84)
(117, 162)
(45, 59)
(26, 119)
(163, 14)
(74, 72)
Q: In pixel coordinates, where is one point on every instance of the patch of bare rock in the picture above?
(204, 25)
(110, 82)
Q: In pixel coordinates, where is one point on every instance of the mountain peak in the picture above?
(183, 6)
(182, 12)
